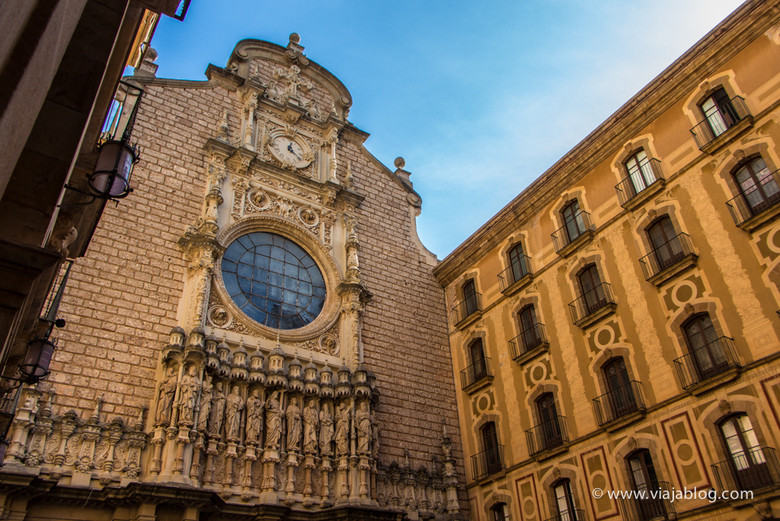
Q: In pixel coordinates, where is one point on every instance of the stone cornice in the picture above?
(742, 27)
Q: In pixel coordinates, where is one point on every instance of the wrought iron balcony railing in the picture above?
(752, 470)
(573, 514)
(723, 118)
(632, 185)
(649, 504)
(487, 462)
(591, 301)
(547, 435)
(572, 230)
(666, 255)
(477, 371)
(467, 307)
(515, 272)
(759, 198)
(530, 339)
(619, 402)
(707, 361)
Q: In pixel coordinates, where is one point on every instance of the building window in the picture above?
(644, 480)
(593, 293)
(573, 220)
(747, 460)
(621, 393)
(640, 171)
(498, 512)
(273, 280)
(478, 361)
(517, 263)
(530, 335)
(667, 247)
(708, 356)
(470, 304)
(490, 448)
(719, 112)
(550, 427)
(756, 185)
(564, 502)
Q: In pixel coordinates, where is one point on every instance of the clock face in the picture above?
(289, 151)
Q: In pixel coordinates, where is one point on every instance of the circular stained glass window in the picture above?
(273, 280)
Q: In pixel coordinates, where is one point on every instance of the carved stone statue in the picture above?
(310, 424)
(363, 420)
(217, 411)
(273, 418)
(233, 408)
(188, 393)
(254, 417)
(342, 429)
(326, 429)
(206, 394)
(167, 393)
(293, 426)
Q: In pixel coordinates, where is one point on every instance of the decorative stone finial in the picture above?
(400, 163)
(295, 50)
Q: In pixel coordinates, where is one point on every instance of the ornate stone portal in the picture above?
(273, 277)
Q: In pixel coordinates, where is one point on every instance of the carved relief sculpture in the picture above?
(342, 429)
(273, 422)
(326, 429)
(254, 417)
(310, 424)
(188, 394)
(363, 420)
(217, 411)
(166, 395)
(293, 426)
(233, 409)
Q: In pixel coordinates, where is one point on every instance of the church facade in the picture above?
(256, 332)
(615, 327)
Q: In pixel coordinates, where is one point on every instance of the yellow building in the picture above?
(615, 327)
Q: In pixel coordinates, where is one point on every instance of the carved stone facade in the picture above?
(276, 316)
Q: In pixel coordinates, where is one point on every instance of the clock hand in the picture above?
(290, 148)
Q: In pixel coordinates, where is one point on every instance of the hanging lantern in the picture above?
(111, 179)
(36, 362)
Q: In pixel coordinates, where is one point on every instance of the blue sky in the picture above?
(479, 97)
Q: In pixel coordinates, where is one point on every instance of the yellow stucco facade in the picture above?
(615, 327)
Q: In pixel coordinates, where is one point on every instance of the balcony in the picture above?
(476, 376)
(529, 343)
(576, 514)
(708, 366)
(467, 310)
(620, 406)
(574, 234)
(668, 260)
(593, 305)
(487, 462)
(755, 470)
(545, 438)
(757, 206)
(722, 125)
(634, 190)
(515, 276)
(652, 506)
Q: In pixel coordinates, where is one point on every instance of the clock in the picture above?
(290, 151)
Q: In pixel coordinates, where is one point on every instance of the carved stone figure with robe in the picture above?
(254, 417)
(206, 394)
(326, 429)
(342, 429)
(293, 426)
(188, 394)
(273, 421)
(310, 424)
(167, 394)
(363, 420)
(217, 411)
(233, 409)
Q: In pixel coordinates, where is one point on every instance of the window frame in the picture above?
(641, 170)
(758, 184)
(714, 349)
(571, 214)
(668, 242)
